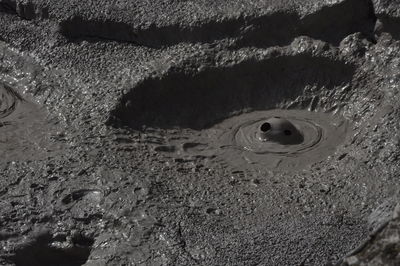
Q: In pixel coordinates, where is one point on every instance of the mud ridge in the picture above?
(355, 16)
(198, 100)
(261, 31)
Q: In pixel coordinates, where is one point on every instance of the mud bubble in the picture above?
(279, 139)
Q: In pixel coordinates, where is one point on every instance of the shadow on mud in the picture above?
(198, 100)
(389, 25)
(40, 252)
(331, 24)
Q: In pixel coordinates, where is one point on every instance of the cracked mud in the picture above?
(199, 133)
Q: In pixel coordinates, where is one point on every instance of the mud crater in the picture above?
(198, 100)
(229, 112)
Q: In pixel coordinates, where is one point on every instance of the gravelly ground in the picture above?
(83, 181)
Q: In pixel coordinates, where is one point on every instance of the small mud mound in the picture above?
(45, 251)
(199, 100)
(279, 139)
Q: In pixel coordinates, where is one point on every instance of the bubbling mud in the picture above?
(279, 139)
(277, 135)
(272, 140)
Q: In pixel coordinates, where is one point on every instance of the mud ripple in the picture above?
(305, 136)
(311, 137)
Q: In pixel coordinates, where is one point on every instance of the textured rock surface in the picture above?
(381, 248)
(120, 80)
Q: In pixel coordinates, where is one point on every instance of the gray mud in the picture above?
(131, 132)
(236, 141)
(25, 130)
(318, 137)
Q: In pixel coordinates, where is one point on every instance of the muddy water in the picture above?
(313, 137)
(25, 131)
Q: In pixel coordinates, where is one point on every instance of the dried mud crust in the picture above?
(259, 30)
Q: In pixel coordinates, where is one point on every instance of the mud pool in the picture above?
(305, 137)
(199, 132)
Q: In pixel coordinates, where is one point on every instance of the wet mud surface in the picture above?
(271, 140)
(26, 131)
(196, 133)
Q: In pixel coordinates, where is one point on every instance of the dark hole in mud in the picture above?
(287, 132)
(265, 127)
(41, 253)
(199, 100)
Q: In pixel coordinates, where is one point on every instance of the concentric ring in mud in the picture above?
(9, 100)
(317, 136)
(308, 137)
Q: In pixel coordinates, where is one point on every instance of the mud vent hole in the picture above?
(265, 127)
(43, 253)
(287, 132)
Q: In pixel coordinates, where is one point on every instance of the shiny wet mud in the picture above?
(25, 129)
(318, 136)
(312, 137)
